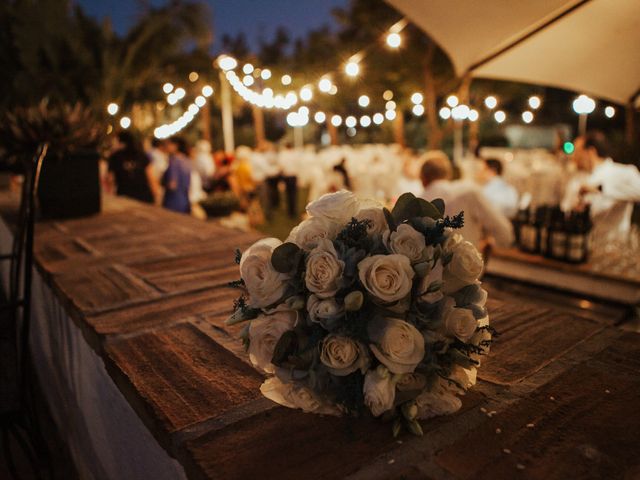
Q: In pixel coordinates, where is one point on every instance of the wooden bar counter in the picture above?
(147, 292)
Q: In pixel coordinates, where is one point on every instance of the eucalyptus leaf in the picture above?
(439, 204)
(242, 315)
(427, 209)
(393, 226)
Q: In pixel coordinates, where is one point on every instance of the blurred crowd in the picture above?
(490, 186)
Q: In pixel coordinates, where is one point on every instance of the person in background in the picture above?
(203, 163)
(159, 157)
(484, 224)
(502, 195)
(242, 178)
(289, 165)
(131, 170)
(223, 162)
(609, 187)
(177, 178)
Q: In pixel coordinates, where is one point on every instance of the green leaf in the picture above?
(285, 257)
(390, 220)
(406, 207)
(427, 209)
(439, 204)
(286, 346)
(242, 315)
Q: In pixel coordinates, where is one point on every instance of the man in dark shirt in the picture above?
(131, 169)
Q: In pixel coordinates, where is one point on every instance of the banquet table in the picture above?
(583, 279)
(144, 380)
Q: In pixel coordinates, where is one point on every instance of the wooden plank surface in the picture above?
(148, 288)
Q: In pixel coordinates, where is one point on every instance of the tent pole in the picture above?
(227, 114)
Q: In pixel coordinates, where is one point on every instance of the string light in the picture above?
(387, 95)
(225, 62)
(473, 115)
(609, 111)
(527, 116)
(265, 99)
(336, 120)
(352, 69)
(200, 101)
(394, 40)
(378, 118)
(247, 69)
(167, 88)
(324, 85)
(490, 102)
(418, 110)
(350, 121)
(265, 74)
(584, 105)
(112, 108)
(390, 105)
(333, 90)
(351, 132)
(286, 79)
(445, 113)
(247, 80)
(363, 101)
(193, 77)
(320, 117)
(306, 94)
(460, 112)
(125, 122)
(500, 116)
(534, 102)
(390, 114)
(452, 101)
(207, 90)
(172, 99)
(180, 93)
(365, 121)
(417, 98)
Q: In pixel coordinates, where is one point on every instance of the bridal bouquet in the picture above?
(366, 309)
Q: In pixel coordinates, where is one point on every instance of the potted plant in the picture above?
(70, 179)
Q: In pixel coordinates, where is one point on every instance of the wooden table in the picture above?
(582, 279)
(557, 398)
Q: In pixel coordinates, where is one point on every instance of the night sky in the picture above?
(257, 18)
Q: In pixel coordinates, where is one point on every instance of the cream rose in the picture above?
(343, 355)
(324, 270)
(466, 377)
(264, 333)
(265, 285)
(372, 211)
(411, 382)
(458, 322)
(339, 207)
(386, 277)
(292, 395)
(379, 391)
(406, 241)
(307, 234)
(437, 401)
(464, 268)
(326, 312)
(397, 344)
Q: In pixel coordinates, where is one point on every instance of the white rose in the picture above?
(479, 337)
(464, 268)
(324, 270)
(452, 239)
(379, 391)
(264, 333)
(265, 285)
(324, 311)
(458, 322)
(437, 401)
(397, 344)
(406, 241)
(307, 234)
(293, 395)
(466, 377)
(434, 275)
(411, 381)
(372, 211)
(387, 277)
(339, 207)
(343, 355)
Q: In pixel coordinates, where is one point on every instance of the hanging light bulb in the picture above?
(527, 116)
(417, 98)
(336, 120)
(452, 101)
(265, 74)
(394, 39)
(534, 102)
(306, 94)
(473, 115)
(363, 101)
(167, 88)
(445, 113)
(125, 122)
(247, 69)
(490, 102)
(319, 117)
(207, 90)
(609, 111)
(378, 118)
(390, 105)
(418, 110)
(200, 101)
(365, 121)
(112, 108)
(390, 114)
(352, 69)
(325, 85)
(500, 116)
(387, 95)
(350, 121)
(286, 79)
(225, 62)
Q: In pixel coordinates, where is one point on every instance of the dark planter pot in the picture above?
(69, 186)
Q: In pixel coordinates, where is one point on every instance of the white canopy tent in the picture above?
(590, 46)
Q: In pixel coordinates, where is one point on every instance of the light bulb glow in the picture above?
(527, 116)
(172, 99)
(417, 98)
(265, 74)
(500, 116)
(325, 85)
(200, 101)
(125, 122)
(390, 114)
(193, 77)
(225, 62)
(378, 118)
(306, 94)
(352, 69)
(390, 105)
(207, 90)
(363, 101)
(418, 110)
(336, 120)
(247, 69)
(180, 93)
(490, 102)
(445, 113)
(112, 108)
(610, 111)
(584, 105)
(452, 101)
(365, 121)
(473, 115)
(350, 121)
(319, 117)
(387, 95)
(394, 40)
(460, 112)
(534, 102)
(247, 80)
(167, 88)
(333, 90)
(286, 79)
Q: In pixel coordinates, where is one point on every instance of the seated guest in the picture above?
(609, 187)
(483, 222)
(131, 170)
(502, 195)
(177, 178)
